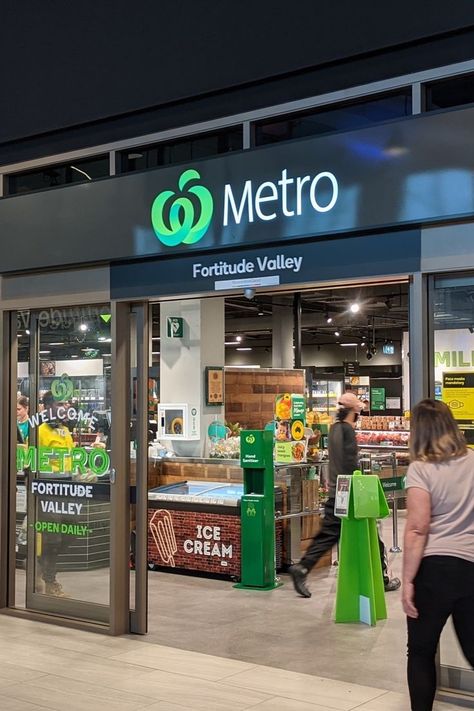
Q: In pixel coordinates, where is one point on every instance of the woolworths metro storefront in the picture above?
(122, 258)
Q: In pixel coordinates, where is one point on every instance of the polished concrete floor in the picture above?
(275, 629)
(280, 629)
(46, 667)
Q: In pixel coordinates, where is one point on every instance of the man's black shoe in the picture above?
(391, 585)
(298, 575)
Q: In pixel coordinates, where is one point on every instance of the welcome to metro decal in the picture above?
(183, 217)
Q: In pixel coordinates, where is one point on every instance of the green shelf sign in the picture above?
(377, 399)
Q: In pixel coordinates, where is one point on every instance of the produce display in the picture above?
(390, 439)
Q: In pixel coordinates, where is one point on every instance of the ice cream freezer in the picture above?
(195, 526)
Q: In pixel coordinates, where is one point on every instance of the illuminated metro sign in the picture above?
(184, 217)
(309, 189)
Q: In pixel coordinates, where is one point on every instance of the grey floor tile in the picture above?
(83, 687)
(302, 687)
(198, 694)
(64, 700)
(9, 704)
(203, 666)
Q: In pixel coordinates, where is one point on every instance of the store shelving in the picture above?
(323, 395)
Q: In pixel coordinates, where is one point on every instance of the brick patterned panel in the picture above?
(205, 542)
(250, 396)
(190, 540)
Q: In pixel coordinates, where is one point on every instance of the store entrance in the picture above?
(216, 366)
(60, 463)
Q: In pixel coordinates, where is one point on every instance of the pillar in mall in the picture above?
(282, 335)
(183, 362)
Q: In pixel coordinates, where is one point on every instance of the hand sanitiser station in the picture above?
(257, 512)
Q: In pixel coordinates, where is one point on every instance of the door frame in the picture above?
(120, 619)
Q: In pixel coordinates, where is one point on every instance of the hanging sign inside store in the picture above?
(351, 367)
(325, 185)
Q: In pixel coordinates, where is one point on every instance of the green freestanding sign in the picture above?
(360, 590)
(257, 512)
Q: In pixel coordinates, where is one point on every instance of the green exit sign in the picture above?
(175, 327)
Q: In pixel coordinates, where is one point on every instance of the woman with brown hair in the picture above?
(438, 562)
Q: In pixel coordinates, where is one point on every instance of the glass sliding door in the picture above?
(62, 424)
(452, 313)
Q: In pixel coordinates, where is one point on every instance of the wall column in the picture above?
(183, 362)
(282, 335)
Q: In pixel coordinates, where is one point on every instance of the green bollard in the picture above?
(360, 597)
(257, 512)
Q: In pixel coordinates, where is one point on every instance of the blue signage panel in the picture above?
(410, 172)
(288, 263)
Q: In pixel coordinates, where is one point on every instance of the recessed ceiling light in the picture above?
(83, 327)
(355, 308)
(328, 318)
(238, 338)
(336, 333)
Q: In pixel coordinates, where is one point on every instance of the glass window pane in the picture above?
(454, 342)
(181, 150)
(53, 176)
(450, 92)
(341, 117)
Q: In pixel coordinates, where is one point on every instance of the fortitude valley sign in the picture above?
(405, 173)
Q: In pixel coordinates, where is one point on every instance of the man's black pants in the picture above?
(328, 536)
(444, 586)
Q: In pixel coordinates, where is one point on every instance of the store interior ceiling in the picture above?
(381, 315)
(361, 315)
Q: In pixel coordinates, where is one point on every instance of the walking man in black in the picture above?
(343, 459)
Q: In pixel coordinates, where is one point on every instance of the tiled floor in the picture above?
(46, 667)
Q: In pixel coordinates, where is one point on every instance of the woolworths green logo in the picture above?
(184, 217)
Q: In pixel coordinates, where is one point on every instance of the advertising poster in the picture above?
(290, 418)
(458, 394)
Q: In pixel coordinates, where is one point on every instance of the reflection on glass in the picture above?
(454, 366)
